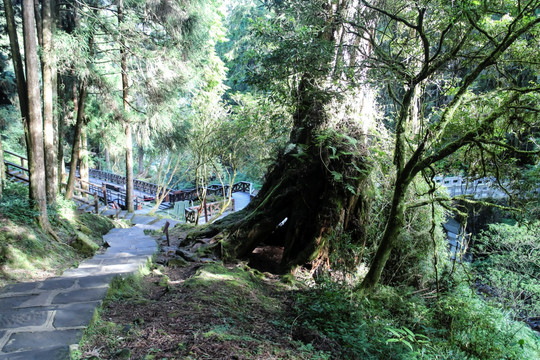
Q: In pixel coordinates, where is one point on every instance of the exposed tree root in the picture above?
(300, 207)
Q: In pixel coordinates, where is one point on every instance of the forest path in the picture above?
(41, 320)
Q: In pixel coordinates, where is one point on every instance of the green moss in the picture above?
(83, 244)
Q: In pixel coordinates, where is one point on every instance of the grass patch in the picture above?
(26, 253)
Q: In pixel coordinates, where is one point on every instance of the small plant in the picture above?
(15, 204)
(417, 343)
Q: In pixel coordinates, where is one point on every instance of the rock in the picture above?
(83, 244)
(207, 250)
(177, 262)
(183, 242)
(188, 255)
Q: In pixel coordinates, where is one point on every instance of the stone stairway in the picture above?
(41, 320)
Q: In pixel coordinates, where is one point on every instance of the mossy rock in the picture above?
(97, 225)
(84, 245)
(177, 262)
(84, 229)
(208, 249)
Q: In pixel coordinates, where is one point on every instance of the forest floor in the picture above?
(203, 310)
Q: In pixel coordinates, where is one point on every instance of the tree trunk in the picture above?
(83, 159)
(35, 123)
(127, 125)
(76, 142)
(107, 160)
(60, 144)
(39, 23)
(129, 168)
(391, 233)
(19, 72)
(48, 113)
(2, 170)
(140, 161)
(301, 205)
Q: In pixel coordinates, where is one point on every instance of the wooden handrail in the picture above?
(15, 154)
(19, 177)
(9, 163)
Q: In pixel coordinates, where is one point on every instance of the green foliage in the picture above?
(483, 331)
(508, 263)
(344, 158)
(26, 252)
(415, 342)
(125, 289)
(15, 204)
(393, 324)
(335, 313)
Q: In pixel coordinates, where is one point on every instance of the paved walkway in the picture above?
(40, 320)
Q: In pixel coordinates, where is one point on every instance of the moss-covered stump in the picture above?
(313, 194)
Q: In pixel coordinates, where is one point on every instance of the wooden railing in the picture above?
(112, 191)
(211, 210)
(22, 159)
(17, 171)
(138, 185)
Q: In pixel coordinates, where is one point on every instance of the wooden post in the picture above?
(205, 211)
(96, 202)
(166, 231)
(104, 189)
(117, 208)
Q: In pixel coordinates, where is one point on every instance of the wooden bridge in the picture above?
(108, 189)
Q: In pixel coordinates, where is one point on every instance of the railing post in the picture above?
(104, 189)
(205, 211)
(166, 231)
(96, 202)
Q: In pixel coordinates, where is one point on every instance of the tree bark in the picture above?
(35, 123)
(18, 68)
(129, 168)
(51, 161)
(127, 125)
(2, 170)
(391, 233)
(83, 159)
(140, 161)
(39, 23)
(107, 160)
(76, 142)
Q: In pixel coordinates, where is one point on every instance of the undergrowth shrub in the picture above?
(15, 204)
(482, 331)
(508, 266)
(357, 325)
(395, 323)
